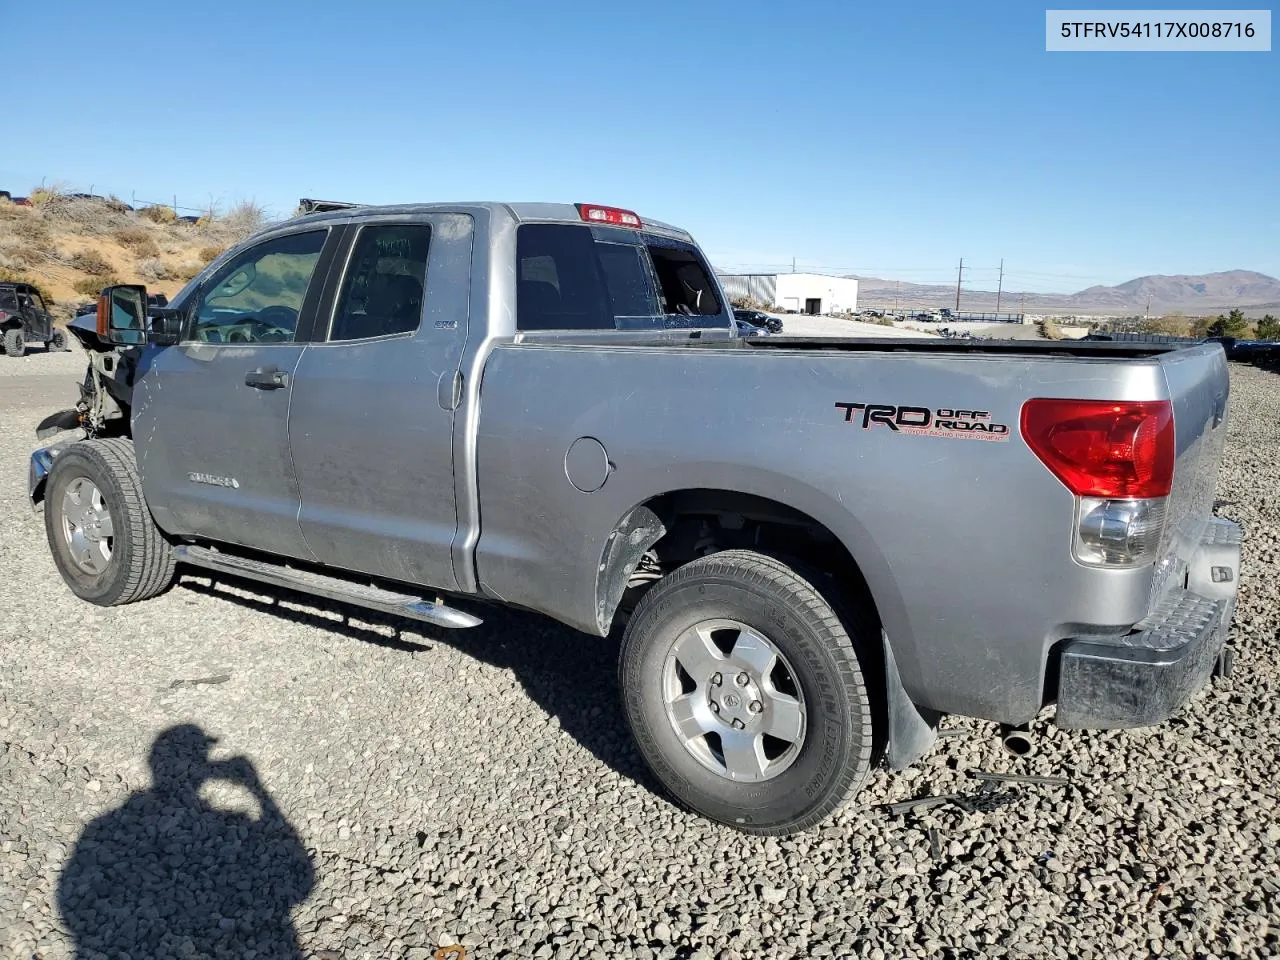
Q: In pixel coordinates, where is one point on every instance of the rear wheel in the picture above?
(103, 540)
(745, 693)
(15, 343)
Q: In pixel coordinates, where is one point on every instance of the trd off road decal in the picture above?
(942, 422)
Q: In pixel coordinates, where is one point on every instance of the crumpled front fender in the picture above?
(38, 470)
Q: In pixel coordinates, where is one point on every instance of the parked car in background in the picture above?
(24, 320)
(747, 329)
(758, 319)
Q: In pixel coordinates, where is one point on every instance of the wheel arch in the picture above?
(673, 525)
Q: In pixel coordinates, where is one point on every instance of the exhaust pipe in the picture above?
(1016, 740)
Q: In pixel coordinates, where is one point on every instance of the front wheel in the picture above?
(104, 542)
(745, 693)
(15, 343)
(58, 342)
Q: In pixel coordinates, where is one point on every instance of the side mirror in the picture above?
(122, 314)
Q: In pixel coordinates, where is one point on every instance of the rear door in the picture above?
(371, 426)
(211, 414)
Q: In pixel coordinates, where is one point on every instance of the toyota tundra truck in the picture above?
(812, 549)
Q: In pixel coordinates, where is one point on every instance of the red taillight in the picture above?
(1104, 449)
(594, 213)
(103, 307)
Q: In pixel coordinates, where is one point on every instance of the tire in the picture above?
(57, 342)
(15, 343)
(736, 598)
(124, 559)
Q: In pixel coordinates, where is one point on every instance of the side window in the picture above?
(256, 298)
(383, 289)
(558, 282)
(629, 283)
(37, 302)
(685, 283)
(568, 280)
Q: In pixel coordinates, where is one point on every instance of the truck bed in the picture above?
(709, 340)
(964, 542)
(1088, 349)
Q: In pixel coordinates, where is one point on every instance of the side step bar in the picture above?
(320, 585)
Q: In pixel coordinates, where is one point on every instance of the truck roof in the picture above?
(522, 212)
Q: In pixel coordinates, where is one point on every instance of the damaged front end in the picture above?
(103, 409)
(39, 467)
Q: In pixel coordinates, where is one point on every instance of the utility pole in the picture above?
(1147, 314)
(959, 274)
(793, 264)
(897, 289)
(1000, 287)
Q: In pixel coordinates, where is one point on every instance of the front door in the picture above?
(371, 425)
(36, 318)
(211, 414)
(813, 306)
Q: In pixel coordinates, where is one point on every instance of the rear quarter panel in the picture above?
(964, 543)
(1198, 385)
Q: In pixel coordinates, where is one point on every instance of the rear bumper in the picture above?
(1145, 677)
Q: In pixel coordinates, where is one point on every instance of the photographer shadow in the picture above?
(167, 874)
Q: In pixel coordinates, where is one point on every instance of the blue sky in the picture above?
(888, 140)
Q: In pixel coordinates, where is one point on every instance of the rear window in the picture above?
(572, 277)
(8, 299)
(685, 285)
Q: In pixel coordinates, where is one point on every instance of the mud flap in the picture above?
(913, 730)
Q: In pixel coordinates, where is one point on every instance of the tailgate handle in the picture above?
(266, 378)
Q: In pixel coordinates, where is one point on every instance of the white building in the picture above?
(799, 292)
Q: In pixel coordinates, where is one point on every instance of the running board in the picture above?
(320, 585)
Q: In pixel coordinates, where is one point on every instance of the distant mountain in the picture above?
(1193, 295)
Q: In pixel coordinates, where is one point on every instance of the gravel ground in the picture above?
(379, 789)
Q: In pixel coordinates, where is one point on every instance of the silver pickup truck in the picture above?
(812, 549)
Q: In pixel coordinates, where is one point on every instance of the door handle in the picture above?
(266, 378)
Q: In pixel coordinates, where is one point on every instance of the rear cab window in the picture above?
(9, 299)
(584, 277)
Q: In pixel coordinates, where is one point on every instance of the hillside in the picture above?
(70, 248)
(1198, 295)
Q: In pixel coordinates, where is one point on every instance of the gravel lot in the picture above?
(401, 788)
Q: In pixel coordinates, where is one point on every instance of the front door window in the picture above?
(257, 297)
